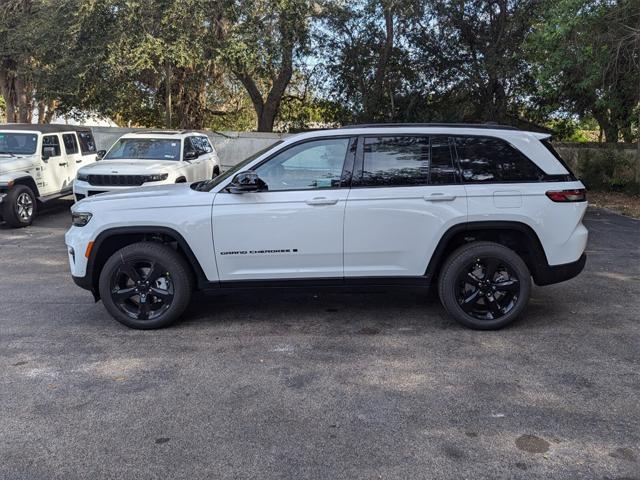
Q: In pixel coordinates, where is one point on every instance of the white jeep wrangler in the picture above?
(38, 163)
(149, 158)
(479, 211)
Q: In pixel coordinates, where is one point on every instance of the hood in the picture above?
(153, 196)
(10, 164)
(129, 167)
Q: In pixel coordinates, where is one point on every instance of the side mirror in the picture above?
(191, 155)
(48, 152)
(100, 154)
(245, 182)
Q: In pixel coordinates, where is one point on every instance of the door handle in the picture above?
(322, 201)
(78, 161)
(439, 197)
(63, 164)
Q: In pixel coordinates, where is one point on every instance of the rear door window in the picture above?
(395, 161)
(407, 161)
(491, 160)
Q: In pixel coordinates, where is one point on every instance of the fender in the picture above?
(9, 179)
(536, 261)
(90, 280)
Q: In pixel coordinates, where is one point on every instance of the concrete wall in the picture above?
(232, 147)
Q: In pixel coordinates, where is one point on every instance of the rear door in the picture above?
(295, 229)
(72, 152)
(406, 193)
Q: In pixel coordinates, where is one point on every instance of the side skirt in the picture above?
(351, 284)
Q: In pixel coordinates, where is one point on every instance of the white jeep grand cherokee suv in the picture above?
(149, 158)
(479, 211)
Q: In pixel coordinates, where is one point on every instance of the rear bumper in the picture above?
(550, 274)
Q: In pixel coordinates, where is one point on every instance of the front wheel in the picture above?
(146, 285)
(19, 207)
(484, 285)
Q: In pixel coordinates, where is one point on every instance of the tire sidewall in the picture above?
(459, 260)
(10, 210)
(146, 251)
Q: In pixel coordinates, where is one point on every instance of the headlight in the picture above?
(83, 177)
(157, 177)
(80, 219)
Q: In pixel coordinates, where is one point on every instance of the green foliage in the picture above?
(607, 169)
(586, 58)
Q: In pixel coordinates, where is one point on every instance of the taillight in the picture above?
(578, 195)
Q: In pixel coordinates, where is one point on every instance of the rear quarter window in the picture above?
(490, 160)
(87, 143)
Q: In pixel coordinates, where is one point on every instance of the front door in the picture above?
(293, 230)
(406, 192)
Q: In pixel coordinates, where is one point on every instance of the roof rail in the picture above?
(488, 126)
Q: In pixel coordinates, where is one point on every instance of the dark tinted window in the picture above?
(442, 171)
(486, 159)
(396, 161)
(87, 144)
(70, 143)
(51, 141)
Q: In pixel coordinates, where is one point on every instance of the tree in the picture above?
(365, 56)
(587, 61)
(264, 39)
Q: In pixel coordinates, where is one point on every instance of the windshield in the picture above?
(144, 149)
(18, 143)
(207, 185)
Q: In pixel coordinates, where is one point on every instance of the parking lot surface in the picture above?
(319, 385)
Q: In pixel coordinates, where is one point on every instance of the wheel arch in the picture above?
(25, 180)
(110, 241)
(518, 236)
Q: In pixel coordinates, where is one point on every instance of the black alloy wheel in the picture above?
(146, 285)
(142, 289)
(488, 288)
(484, 285)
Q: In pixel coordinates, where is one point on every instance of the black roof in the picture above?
(488, 126)
(43, 128)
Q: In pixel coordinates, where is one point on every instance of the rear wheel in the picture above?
(19, 207)
(484, 285)
(146, 285)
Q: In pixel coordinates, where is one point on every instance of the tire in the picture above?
(216, 172)
(484, 285)
(159, 272)
(19, 207)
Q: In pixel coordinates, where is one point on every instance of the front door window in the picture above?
(306, 166)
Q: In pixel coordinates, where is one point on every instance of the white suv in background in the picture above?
(37, 164)
(478, 211)
(149, 158)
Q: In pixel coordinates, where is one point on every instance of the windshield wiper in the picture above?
(8, 153)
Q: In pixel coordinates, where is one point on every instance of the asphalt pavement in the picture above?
(317, 385)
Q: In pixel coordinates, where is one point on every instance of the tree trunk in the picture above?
(167, 95)
(373, 98)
